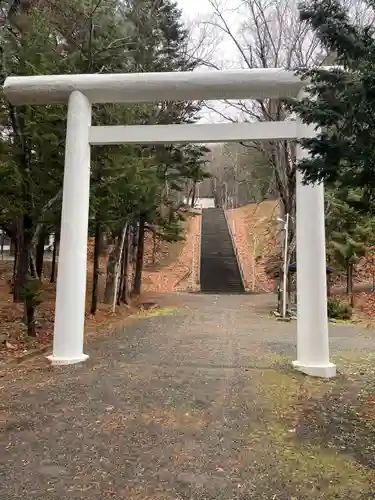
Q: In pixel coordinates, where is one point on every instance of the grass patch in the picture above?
(320, 433)
(318, 472)
(160, 311)
(352, 364)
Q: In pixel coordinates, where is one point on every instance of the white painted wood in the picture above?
(152, 87)
(312, 317)
(71, 278)
(81, 90)
(196, 133)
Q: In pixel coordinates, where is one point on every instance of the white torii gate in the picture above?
(81, 91)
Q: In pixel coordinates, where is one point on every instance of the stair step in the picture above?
(219, 272)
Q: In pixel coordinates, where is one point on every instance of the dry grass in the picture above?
(254, 227)
(173, 273)
(170, 271)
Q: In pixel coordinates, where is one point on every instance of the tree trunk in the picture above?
(154, 242)
(113, 258)
(97, 246)
(188, 198)
(140, 251)
(24, 224)
(21, 260)
(30, 317)
(95, 278)
(32, 265)
(54, 253)
(118, 268)
(279, 295)
(134, 243)
(12, 247)
(15, 252)
(40, 254)
(289, 283)
(349, 282)
(121, 282)
(193, 194)
(23, 286)
(2, 245)
(125, 268)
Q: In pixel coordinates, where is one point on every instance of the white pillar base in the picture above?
(324, 371)
(56, 360)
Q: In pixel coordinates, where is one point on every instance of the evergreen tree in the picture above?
(341, 103)
(159, 43)
(349, 236)
(129, 184)
(54, 38)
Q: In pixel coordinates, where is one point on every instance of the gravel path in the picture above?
(199, 403)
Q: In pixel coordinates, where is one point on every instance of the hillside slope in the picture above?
(254, 228)
(169, 270)
(172, 269)
(256, 235)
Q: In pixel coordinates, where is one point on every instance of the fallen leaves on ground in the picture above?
(365, 303)
(14, 341)
(175, 275)
(167, 268)
(254, 233)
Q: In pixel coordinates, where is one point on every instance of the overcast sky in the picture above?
(199, 11)
(222, 50)
(193, 7)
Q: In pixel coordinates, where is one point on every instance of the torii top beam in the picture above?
(153, 87)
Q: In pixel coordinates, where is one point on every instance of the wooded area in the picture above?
(140, 190)
(134, 190)
(312, 34)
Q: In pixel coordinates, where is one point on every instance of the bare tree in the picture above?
(265, 34)
(242, 174)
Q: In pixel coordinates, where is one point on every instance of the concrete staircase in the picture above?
(219, 269)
